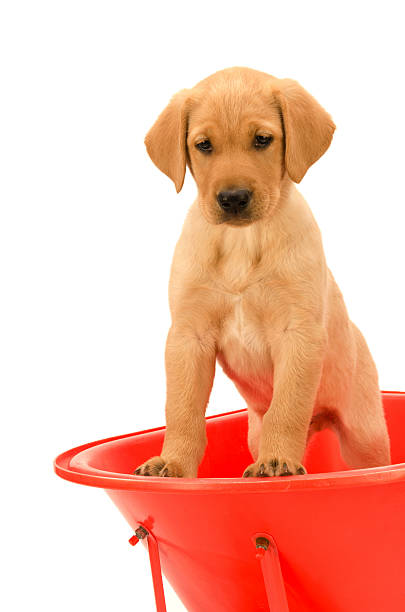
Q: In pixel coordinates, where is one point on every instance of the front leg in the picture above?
(190, 367)
(298, 358)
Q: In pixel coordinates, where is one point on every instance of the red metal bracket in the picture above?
(267, 553)
(153, 549)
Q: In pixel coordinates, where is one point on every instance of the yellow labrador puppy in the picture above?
(249, 284)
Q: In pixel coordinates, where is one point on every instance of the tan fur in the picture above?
(254, 293)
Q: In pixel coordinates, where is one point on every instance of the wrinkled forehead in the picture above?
(233, 109)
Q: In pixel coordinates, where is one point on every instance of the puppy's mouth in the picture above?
(237, 219)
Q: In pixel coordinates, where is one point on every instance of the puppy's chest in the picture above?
(243, 279)
(240, 325)
(243, 343)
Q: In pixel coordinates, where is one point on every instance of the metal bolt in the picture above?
(141, 533)
(262, 543)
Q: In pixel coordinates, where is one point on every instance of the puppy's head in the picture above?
(241, 132)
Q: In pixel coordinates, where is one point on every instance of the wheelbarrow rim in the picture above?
(72, 465)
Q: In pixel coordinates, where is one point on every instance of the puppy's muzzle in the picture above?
(234, 201)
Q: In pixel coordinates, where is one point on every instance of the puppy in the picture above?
(249, 284)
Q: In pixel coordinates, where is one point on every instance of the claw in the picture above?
(285, 471)
(262, 471)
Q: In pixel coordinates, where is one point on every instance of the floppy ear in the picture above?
(166, 140)
(308, 128)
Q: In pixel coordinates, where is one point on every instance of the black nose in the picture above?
(234, 200)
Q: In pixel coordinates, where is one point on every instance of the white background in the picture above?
(88, 226)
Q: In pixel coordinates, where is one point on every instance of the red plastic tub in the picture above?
(337, 535)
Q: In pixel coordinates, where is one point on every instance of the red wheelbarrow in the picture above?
(329, 541)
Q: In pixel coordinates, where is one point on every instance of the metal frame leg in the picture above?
(267, 553)
(153, 549)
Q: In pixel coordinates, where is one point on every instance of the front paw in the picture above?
(157, 466)
(276, 466)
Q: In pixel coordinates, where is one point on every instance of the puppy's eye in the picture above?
(205, 146)
(262, 141)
